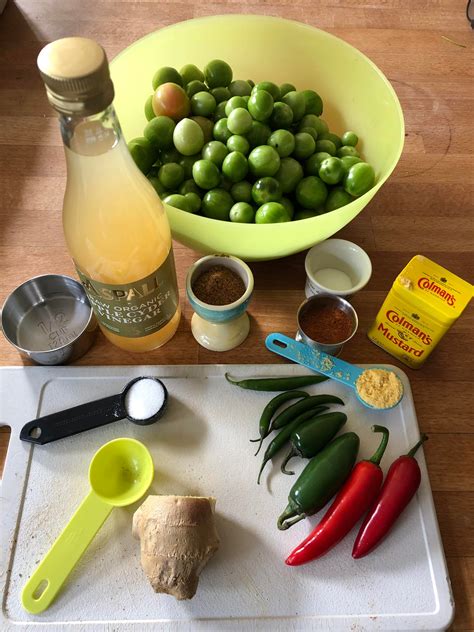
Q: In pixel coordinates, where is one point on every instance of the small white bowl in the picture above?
(336, 267)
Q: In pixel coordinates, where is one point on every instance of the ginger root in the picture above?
(177, 538)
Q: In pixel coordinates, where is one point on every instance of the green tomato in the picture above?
(306, 213)
(331, 170)
(309, 130)
(187, 163)
(240, 88)
(167, 74)
(206, 174)
(235, 166)
(289, 206)
(233, 103)
(271, 213)
(190, 72)
(311, 192)
(171, 175)
(266, 190)
(311, 120)
(206, 125)
(326, 145)
(156, 184)
(311, 166)
(170, 155)
(289, 174)
(260, 105)
(238, 143)
(194, 201)
(189, 186)
(270, 87)
(216, 204)
(218, 73)
(350, 138)
(282, 116)
(314, 103)
(239, 121)
(149, 112)
(283, 141)
(337, 197)
(242, 213)
(221, 94)
(285, 88)
(203, 104)
(304, 145)
(178, 201)
(215, 151)
(348, 161)
(297, 103)
(159, 131)
(221, 131)
(220, 111)
(263, 160)
(241, 191)
(188, 137)
(259, 134)
(348, 150)
(194, 87)
(332, 137)
(359, 179)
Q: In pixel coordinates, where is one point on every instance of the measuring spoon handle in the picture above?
(46, 581)
(73, 420)
(313, 359)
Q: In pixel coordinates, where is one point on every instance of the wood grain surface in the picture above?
(425, 49)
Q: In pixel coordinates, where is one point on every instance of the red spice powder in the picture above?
(327, 324)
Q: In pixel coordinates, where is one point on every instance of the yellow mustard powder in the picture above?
(379, 388)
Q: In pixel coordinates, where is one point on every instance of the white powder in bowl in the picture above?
(144, 399)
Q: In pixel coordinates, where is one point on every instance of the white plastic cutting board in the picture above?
(201, 447)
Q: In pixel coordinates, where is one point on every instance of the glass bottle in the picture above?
(115, 225)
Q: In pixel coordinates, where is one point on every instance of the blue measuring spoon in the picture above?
(321, 362)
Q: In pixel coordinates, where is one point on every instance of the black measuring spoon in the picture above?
(100, 412)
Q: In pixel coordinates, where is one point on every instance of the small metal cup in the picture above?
(49, 319)
(326, 299)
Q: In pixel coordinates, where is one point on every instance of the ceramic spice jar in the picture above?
(219, 327)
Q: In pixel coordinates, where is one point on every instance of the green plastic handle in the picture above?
(46, 581)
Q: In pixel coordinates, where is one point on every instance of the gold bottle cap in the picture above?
(76, 74)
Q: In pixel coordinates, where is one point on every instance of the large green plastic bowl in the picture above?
(356, 95)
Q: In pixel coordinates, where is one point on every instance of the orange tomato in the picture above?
(171, 100)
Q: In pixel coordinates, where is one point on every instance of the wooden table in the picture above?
(425, 49)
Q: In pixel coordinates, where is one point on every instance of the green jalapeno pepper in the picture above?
(290, 413)
(282, 437)
(320, 480)
(271, 408)
(277, 383)
(312, 436)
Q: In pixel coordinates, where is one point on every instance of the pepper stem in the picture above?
(265, 461)
(378, 454)
(283, 521)
(290, 455)
(423, 438)
(229, 379)
(259, 445)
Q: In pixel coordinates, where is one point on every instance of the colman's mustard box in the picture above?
(424, 302)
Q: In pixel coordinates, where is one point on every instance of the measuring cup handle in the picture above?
(46, 581)
(73, 420)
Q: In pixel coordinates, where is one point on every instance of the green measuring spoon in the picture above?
(120, 473)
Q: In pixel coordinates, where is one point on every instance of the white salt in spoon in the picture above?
(142, 401)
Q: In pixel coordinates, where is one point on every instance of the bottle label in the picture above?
(137, 309)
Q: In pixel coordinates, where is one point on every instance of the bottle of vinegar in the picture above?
(115, 226)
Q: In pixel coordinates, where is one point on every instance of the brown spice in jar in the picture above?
(327, 324)
(218, 286)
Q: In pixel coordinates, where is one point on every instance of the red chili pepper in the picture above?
(353, 500)
(402, 481)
